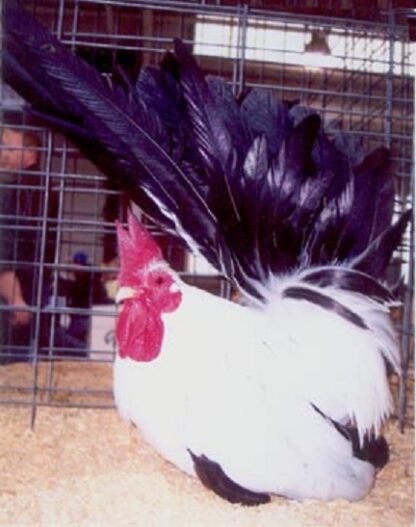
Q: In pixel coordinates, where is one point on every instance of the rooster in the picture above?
(283, 393)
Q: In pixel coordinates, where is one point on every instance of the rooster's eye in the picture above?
(159, 280)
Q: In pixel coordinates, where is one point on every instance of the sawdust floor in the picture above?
(86, 467)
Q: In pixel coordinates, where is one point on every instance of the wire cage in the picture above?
(58, 212)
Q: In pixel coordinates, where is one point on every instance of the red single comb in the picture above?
(136, 250)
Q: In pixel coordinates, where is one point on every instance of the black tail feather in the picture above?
(128, 133)
(371, 211)
(375, 258)
(254, 185)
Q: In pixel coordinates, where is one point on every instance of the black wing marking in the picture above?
(375, 450)
(213, 477)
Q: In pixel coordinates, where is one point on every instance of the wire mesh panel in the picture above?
(58, 211)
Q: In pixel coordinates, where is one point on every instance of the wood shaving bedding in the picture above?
(86, 467)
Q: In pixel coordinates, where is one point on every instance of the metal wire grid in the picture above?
(377, 107)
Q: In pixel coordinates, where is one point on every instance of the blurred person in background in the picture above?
(18, 153)
(24, 289)
(82, 290)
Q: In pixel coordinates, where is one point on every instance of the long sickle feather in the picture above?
(76, 94)
(211, 136)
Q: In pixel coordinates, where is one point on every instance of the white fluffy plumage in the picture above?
(244, 395)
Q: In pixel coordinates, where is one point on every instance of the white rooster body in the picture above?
(245, 396)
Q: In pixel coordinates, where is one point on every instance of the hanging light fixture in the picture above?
(317, 53)
(318, 43)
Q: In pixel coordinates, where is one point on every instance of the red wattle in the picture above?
(139, 331)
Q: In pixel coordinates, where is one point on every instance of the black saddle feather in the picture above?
(350, 280)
